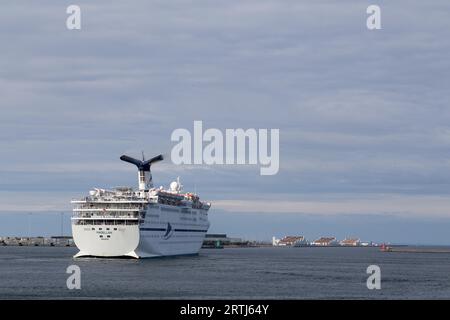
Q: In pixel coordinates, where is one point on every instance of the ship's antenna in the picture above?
(29, 224)
(143, 156)
(180, 186)
(62, 224)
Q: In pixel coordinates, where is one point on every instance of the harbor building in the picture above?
(217, 240)
(350, 242)
(58, 241)
(325, 242)
(290, 241)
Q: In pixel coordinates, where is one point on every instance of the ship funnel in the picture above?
(145, 176)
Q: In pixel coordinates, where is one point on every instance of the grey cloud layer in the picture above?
(358, 111)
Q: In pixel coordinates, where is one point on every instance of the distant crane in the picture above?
(29, 224)
(62, 224)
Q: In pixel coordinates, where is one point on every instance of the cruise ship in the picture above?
(144, 223)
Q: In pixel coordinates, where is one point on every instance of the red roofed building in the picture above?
(350, 242)
(293, 241)
(325, 241)
(290, 241)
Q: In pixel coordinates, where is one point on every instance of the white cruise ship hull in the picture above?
(165, 231)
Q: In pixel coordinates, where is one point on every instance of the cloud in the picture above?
(403, 206)
(359, 112)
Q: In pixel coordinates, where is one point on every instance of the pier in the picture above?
(406, 249)
(55, 241)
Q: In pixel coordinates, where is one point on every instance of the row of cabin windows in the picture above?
(103, 222)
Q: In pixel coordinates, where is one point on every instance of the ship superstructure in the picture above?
(148, 222)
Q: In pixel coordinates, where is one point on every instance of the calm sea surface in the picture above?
(260, 273)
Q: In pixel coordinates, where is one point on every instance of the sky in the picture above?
(364, 115)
